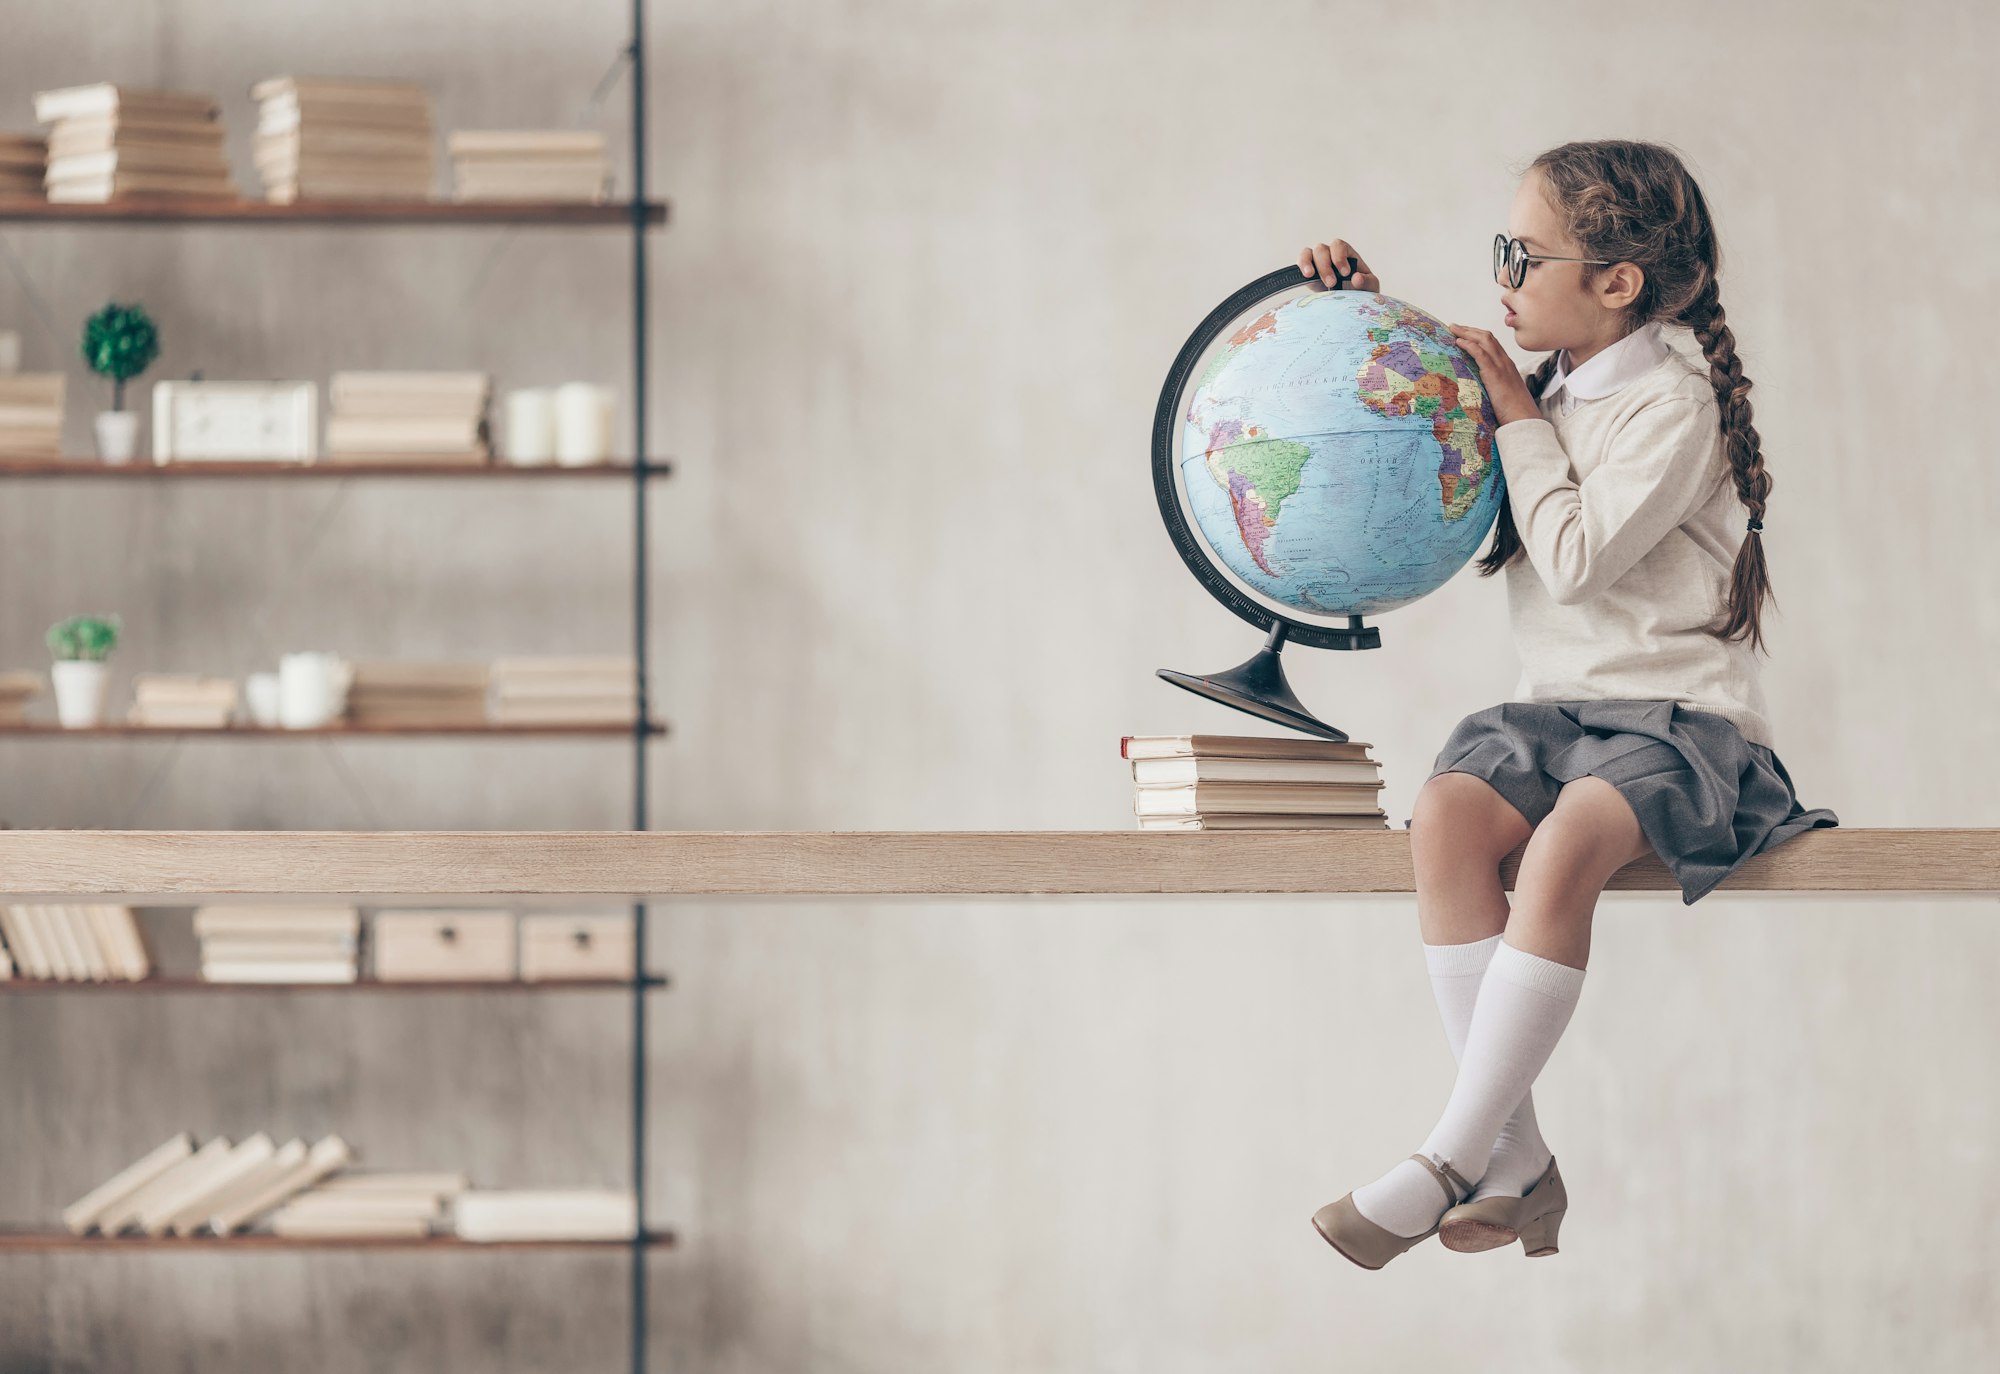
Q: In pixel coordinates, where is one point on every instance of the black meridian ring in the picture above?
(1165, 419)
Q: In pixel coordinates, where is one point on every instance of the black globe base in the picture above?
(1258, 685)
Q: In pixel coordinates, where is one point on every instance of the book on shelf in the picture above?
(17, 689)
(127, 1210)
(529, 164)
(83, 1215)
(108, 141)
(31, 414)
(76, 942)
(190, 1200)
(499, 1214)
(328, 1155)
(328, 138)
(22, 160)
(438, 415)
(380, 1204)
(1253, 782)
(249, 1183)
(186, 700)
(279, 944)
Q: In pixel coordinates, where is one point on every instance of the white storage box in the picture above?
(444, 945)
(576, 946)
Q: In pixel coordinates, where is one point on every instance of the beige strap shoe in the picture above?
(1343, 1227)
(1495, 1221)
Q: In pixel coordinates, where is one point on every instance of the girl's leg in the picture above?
(1525, 999)
(1468, 828)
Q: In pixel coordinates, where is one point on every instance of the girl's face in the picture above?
(1552, 308)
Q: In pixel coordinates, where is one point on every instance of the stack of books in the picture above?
(528, 164)
(185, 700)
(381, 1204)
(1253, 782)
(90, 942)
(412, 694)
(17, 689)
(278, 944)
(545, 1214)
(566, 691)
(109, 142)
(327, 139)
(23, 159)
(31, 414)
(388, 416)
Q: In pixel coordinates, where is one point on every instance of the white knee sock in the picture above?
(1523, 1004)
(1520, 1154)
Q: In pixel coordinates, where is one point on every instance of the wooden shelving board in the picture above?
(14, 1239)
(166, 867)
(193, 210)
(43, 730)
(61, 985)
(142, 470)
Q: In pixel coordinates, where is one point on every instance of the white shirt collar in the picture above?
(1610, 369)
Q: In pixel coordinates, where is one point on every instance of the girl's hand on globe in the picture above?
(1504, 384)
(1322, 258)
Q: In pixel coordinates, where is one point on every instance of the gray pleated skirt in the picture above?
(1706, 798)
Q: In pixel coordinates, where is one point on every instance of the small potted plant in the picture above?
(80, 645)
(119, 342)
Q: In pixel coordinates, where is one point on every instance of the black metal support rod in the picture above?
(642, 456)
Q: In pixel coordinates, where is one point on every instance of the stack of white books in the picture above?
(400, 415)
(17, 688)
(187, 700)
(1253, 782)
(90, 942)
(31, 415)
(528, 164)
(417, 694)
(111, 142)
(23, 158)
(251, 943)
(566, 691)
(370, 1204)
(321, 138)
(494, 1214)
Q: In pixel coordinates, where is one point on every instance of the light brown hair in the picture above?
(1637, 203)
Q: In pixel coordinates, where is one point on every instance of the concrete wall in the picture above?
(927, 267)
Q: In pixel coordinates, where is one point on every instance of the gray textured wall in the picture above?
(928, 265)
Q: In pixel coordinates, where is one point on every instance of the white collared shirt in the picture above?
(1609, 370)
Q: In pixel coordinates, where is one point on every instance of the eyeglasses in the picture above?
(1512, 256)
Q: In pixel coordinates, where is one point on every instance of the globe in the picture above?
(1320, 455)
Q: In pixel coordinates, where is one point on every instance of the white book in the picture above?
(84, 1213)
(130, 1208)
(192, 1207)
(355, 1228)
(545, 1214)
(97, 956)
(234, 949)
(442, 1184)
(27, 952)
(260, 920)
(327, 1155)
(107, 98)
(64, 951)
(360, 1207)
(282, 1161)
(279, 971)
(123, 923)
(194, 1183)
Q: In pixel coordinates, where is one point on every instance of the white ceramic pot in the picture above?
(117, 435)
(79, 687)
(312, 689)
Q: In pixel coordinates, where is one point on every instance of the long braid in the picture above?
(1506, 538)
(1749, 578)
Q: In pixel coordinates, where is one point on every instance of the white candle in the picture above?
(583, 424)
(531, 426)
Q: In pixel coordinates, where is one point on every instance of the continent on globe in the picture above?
(1409, 371)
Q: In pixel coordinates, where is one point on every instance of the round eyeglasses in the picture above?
(1511, 257)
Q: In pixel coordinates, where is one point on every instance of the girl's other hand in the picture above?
(1321, 258)
(1505, 386)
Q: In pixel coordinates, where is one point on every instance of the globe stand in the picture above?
(1258, 685)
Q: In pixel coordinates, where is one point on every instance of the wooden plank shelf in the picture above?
(141, 471)
(58, 985)
(196, 210)
(44, 730)
(21, 1239)
(166, 867)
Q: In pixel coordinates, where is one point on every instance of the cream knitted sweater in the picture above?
(1623, 498)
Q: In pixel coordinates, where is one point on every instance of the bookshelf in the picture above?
(637, 218)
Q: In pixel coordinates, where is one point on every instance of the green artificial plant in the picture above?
(120, 342)
(87, 637)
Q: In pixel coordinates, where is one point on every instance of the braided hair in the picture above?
(1636, 202)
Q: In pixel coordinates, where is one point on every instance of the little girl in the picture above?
(1638, 725)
